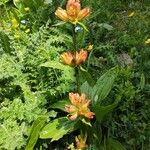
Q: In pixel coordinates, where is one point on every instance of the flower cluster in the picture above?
(73, 12)
(79, 106)
(74, 59)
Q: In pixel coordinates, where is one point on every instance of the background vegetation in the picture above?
(30, 36)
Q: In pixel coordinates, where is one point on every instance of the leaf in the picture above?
(5, 42)
(106, 26)
(142, 81)
(112, 144)
(57, 129)
(83, 26)
(86, 89)
(86, 76)
(101, 111)
(60, 104)
(85, 121)
(55, 65)
(104, 85)
(34, 134)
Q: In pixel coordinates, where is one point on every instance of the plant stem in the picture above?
(74, 38)
(77, 79)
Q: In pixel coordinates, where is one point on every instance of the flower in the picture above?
(79, 106)
(81, 142)
(27, 9)
(90, 47)
(131, 14)
(73, 12)
(147, 41)
(27, 30)
(74, 59)
(80, 57)
(14, 24)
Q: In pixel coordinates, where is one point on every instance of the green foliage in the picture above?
(34, 133)
(57, 129)
(26, 86)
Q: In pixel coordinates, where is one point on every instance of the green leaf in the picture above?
(60, 104)
(83, 26)
(86, 89)
(104, 85)
(86, 76)
(106, 26)
(34, 134)
(57, 129)
(55, 65)
(112, 144)
(101, 111)
(85, 121)
(142, 81)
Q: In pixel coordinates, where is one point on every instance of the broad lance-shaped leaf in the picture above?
(57, 129)
(34, 134)
(112, 144)
(101, 111)
(103, 86)
(86, 76)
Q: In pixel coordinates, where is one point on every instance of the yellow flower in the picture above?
(147, 41)
(74, 59)
(27, 9)
(90, 47)
(27, 30)
(79, 106)
(131, 14)
(73, 12)
(14, 24)
(81, 142)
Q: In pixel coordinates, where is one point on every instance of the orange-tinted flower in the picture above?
(81, 57)
(79, 106)
(74, 59)
(73, 12)
(81, 142)
(68, 58)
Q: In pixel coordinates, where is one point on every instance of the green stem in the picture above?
(77, 79)
(74, 38)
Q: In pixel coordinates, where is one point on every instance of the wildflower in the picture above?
(79, 106)
(147, 41)
(73, 12)
(27, 9)
(27, 30)
(90, 47)
(81, 142)
(68, 58)
(74, 59)
(14, 23)
(131, 14)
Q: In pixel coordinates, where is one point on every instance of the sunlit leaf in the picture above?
(112, 144)
(57, 129)
(34, 134)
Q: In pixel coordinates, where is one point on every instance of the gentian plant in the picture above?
(86, 106)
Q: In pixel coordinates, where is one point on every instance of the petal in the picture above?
(67, 57)
(74, 98)
(73, 116)
(81, 56)
(83, 13)
(89, 114)
(70, 108)
(62, 14)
